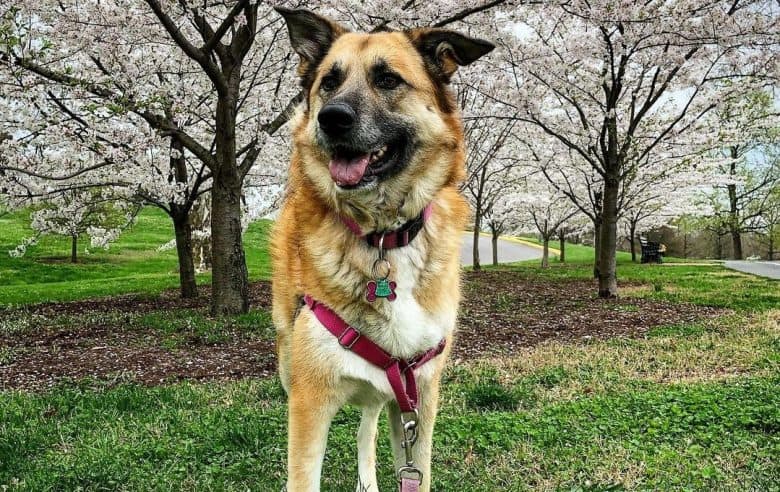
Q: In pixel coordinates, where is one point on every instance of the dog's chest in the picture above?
(410, 327)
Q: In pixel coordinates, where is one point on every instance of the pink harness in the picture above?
(399, 372)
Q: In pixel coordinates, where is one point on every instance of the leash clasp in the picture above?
(409, 429)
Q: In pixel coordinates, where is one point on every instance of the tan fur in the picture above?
(314, 253)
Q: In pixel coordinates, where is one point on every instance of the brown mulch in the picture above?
(501, 311)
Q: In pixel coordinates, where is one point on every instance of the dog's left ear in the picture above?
(444, 50)
(311, 36)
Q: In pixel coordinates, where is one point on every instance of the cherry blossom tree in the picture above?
(771, 223)
(742, 198)
(76, 213)
(546, 209)
(490, 177)
(215, 80)
(747, 129)
(616, 82)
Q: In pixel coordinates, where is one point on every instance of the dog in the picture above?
(366, 248)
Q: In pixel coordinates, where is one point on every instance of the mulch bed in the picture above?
(501, 311)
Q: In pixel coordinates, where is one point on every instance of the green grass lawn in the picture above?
(677, 279)
(689, 407)
(133, 264)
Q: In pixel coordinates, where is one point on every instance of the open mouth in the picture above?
(352, 168)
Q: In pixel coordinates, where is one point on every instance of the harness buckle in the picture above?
(352, 342)
(410, 365)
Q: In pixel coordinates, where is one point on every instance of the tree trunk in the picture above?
(608, 243)
(736, 244)
(632, 241)
(546, 251)
(478, 219)
(183, 230)
(734, 222)
(229, 279)
(598, 206)
(596, 247)
(771, 252)
(182, 226)
(562, 238)
(475, 246)
(495, 248)
(74, 248)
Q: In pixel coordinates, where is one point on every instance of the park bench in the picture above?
(652, 252)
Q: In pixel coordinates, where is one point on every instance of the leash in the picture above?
(400, 375)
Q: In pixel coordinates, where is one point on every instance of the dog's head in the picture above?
(380, 128)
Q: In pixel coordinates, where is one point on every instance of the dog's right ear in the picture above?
(311, 36)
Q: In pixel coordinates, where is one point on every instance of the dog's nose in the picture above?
(336, 119)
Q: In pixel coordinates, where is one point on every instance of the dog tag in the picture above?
(380, 287)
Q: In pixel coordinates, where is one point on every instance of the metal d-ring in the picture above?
(381, 261)
(381, 246)
(375, 269)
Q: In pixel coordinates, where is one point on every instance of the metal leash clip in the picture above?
(409, 429)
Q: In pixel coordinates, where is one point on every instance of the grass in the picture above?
(680, 280)
(133, 264)
(689, 407)
(498, 430)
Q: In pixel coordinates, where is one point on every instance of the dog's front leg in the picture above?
(421, 451)
(366, 441)
(313, 402)
(310, 414)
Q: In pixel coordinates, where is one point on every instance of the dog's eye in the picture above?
(329, 82)
(388, 81)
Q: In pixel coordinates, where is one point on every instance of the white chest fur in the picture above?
(403, 327)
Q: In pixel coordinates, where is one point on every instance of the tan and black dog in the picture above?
(377, 146)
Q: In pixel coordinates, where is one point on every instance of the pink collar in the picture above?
(392, 239)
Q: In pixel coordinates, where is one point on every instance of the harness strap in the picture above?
(399, 372)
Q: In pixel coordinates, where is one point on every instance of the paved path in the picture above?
(508, 251)
(770, 269)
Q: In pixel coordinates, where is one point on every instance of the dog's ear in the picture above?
(444, 50)
(310, 36)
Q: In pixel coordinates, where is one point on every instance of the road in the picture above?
(508, 251)
(770, 269)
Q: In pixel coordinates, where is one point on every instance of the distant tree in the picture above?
(770, 230)
(742, 199)
(546, 210)
(77, 213)
(748, 132)
(615, 83)
(490, 163)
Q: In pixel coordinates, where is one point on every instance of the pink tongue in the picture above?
(348, 171)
